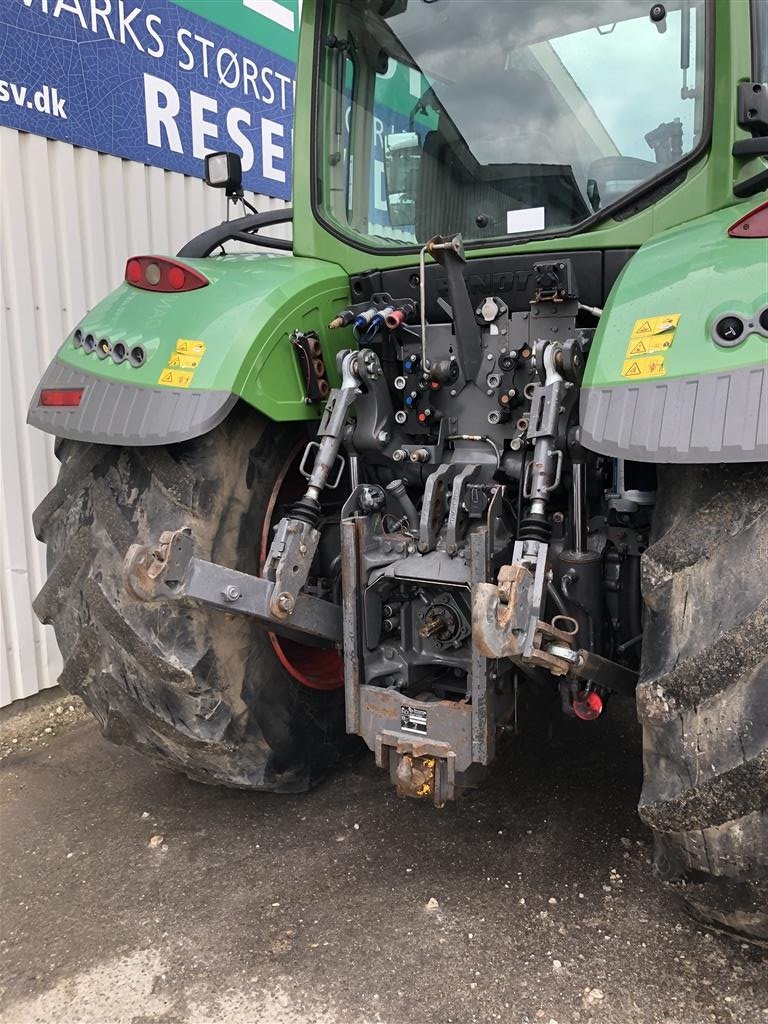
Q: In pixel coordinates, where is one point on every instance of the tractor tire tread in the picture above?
(702, 693)
(195, 689)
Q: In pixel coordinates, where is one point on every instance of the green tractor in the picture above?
(494, 430)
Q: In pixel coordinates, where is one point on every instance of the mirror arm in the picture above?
(242, 230)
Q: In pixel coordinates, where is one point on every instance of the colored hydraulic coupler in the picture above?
(394, 319)
(344, 319)
(399, 315)
(378, 320)
(362, 320)
(505, 411)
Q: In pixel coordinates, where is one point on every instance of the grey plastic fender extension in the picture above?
(716, 417)
(123, 414)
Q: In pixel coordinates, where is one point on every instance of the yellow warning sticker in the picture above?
(637, 348)
(190, 348)
(646, 346)
(644, 366)
(652, 334)
(652, 325)
(179, 360)
(175, 378)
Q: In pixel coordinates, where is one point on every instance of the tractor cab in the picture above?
(502, 127)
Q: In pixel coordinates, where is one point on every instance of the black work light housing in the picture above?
(224, 170)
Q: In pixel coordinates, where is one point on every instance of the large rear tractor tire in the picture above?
(200, 691)
(703, 694)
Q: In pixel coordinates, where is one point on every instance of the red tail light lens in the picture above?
(176, 278)
(588, 706)
(159, 274)
(133, 272)
(63, 398)
(752, 225)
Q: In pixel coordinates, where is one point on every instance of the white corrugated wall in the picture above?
(69, 218)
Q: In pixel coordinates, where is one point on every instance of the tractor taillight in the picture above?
(752, 225)
(587, 706)
(63, 398)
(159, 274)
(133, 272)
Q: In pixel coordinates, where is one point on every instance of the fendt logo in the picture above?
(505, 283)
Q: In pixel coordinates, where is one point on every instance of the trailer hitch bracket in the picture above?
(169, 571)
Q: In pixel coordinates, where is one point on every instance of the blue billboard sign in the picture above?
(155, 83)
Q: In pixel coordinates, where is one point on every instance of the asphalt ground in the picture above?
(131, 895)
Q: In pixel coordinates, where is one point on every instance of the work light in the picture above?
(224, 170)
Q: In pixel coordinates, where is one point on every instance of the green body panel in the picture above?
(708, 184)
(698, 272)
(243, 317)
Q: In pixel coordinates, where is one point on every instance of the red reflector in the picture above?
(752, 225)
(588, 706)
(133, 272)
(176, 278)
(159, 274)
(61, 397)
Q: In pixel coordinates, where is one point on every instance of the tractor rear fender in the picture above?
(669, 378)
(202, 349)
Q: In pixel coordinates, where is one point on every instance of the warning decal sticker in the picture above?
(182, 363)
(176, 378)
(652, 334)
(655, 325)
(643, 367)
(190, 348)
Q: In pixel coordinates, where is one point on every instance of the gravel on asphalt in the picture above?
(131, 895)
